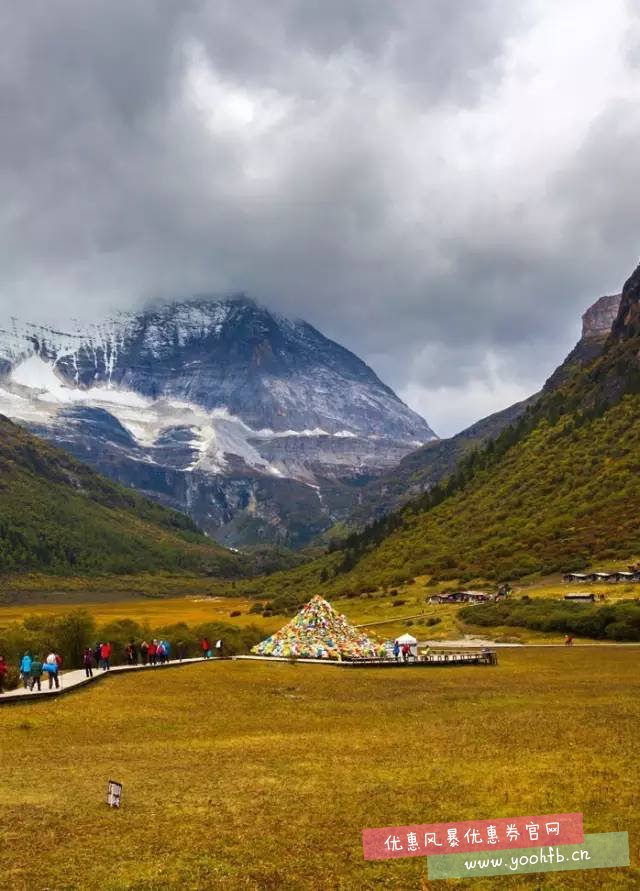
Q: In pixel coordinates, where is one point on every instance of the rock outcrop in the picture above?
(599, 318)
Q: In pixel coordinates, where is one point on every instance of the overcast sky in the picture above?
(441, 186)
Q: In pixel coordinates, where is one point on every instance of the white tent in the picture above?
(409, 639)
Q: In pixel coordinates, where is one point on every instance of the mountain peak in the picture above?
(227, 354)
(217, 406)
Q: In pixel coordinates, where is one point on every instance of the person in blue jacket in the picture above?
(25, 669)
(51, 668)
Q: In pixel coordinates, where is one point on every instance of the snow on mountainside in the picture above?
(201, 403)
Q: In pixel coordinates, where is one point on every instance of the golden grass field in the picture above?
(242, 775)
(188, 602)
(190, 609)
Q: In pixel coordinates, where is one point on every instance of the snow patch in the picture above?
(41, 377)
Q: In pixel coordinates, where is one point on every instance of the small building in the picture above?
(601, 577)
(453, 597)
(460, 597)
(575, 577)
(476, 596)
(626, 576)
(581, 597)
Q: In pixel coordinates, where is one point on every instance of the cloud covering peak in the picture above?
(441, 187)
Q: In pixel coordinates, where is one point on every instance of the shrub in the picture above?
(398, 602)
(620, 621)
(12, 678)
(433, 620)
(622, 631)
(234, 613)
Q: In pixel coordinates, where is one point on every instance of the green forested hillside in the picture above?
(563, 497)
(59, 516)
(420, 470)
(559, 490)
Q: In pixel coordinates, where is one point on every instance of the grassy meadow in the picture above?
(249, 775)
(193, 610)
(386, 613)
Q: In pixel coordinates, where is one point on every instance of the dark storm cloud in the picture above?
(442, 187)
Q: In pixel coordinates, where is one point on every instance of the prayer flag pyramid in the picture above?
(318, 632)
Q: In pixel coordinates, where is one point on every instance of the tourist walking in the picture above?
(36, 672)
(205, 646)
(167, 650)
(396, 651)
(219, 647)
(87, 661)
(97, 655)
(180, 650)
(153, 649)
(25, 669)
(144, 652)
(160, 653)
(132, 653)
(51, 667)
(3, 673)
(105, 656)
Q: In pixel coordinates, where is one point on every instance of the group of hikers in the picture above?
(155, 652)
(32, 668)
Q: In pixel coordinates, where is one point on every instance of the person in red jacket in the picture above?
(205, 646)
(152, 651)
(105, 656)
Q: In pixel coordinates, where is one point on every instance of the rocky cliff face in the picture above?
(598, 319)
(254, 424)
(596, 328)
(627, 321)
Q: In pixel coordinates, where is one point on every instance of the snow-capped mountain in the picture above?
(249, 421)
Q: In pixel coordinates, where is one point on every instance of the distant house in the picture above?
(601, 577)
(622, 576)
(581, 597)
(447, 598)
(476, 596)
(460, 597)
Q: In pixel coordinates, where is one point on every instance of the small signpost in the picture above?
(114, 793)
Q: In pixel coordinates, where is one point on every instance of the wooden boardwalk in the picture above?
(74, 680)
(442, 658)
